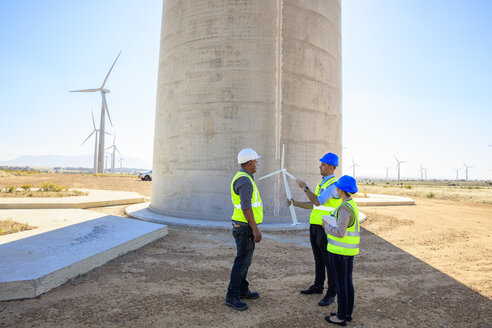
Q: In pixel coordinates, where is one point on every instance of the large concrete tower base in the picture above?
(236, 74)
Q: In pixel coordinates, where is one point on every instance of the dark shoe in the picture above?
(347, 318)
(249, 295)
(312, 290)
(327, 300)
(236, 303)
(343, 323)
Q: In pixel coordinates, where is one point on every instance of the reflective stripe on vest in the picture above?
(348, 244)
(256, 203)
(324, 209)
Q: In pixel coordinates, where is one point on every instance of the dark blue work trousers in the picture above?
(343, 267)
(319, 241)
(245, 246)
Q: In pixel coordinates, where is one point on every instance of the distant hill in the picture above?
(71, 161)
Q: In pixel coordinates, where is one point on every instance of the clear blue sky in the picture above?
(417, 81)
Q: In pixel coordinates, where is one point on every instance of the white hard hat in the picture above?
(247, 154)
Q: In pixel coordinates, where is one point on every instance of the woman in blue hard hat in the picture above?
(343, 233)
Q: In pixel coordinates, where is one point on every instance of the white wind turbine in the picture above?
(398, 165)
(121, 163)
(113, 155)
(353, 168)
(466, 168)
(96, 132)
(287, 189)
(422, 169)
(104, 110)
(387, 168)
(457, 170)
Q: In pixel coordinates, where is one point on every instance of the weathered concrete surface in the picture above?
(95, 198)
(235, 74)
(66, 244)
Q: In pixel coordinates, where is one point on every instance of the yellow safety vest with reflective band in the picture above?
(256, 204)
(349, 244)
(324, 209)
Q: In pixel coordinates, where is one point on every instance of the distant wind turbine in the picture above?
(466, 168)
(421, 172)
(353, 168)
(387, 168)
(457, 170)
(104, 110)
(96, 132)
(398, 162)
(113, 155)
(121, 163)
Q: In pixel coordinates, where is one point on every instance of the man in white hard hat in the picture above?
(248, 213)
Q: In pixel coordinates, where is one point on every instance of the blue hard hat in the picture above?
(347, 184)
(329, 158)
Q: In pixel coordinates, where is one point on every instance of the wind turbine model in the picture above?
(425, 172)
(398, 165)
(287, 189)
(96, 132)
(421, 171)
(353, 168)
(467, 167)
(104, 109)
(113, 155)
(456, 173)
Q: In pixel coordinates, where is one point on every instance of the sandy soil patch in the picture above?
(427, 265)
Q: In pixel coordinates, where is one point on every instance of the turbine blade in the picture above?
(290, 175)
(85, 90)
(93, 122)
(90, 135)
(282, 160)
(269, 175)
(106, 107)
(102, 86)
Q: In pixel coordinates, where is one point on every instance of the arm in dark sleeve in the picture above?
(244, 189)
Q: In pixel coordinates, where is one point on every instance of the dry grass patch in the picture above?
(480, 192)
(46, 190)
(9, 226)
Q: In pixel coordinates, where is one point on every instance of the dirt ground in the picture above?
(427, 265)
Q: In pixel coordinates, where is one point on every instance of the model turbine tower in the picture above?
(104, 110)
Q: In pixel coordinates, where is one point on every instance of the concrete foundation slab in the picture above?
(383, 200)
(66, 244)
(95, 198)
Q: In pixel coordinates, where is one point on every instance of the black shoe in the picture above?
(327, 300)
(312, 290)
(249, 295)
(347, 318)
(236, 303)
(343, 323)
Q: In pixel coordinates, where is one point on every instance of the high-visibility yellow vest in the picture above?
(256, 204)
(326, 208)
(349, 244)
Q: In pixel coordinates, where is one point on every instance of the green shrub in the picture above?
(51, 187)
(430, 195)
(11, 189)
(408, 186)
(26, 187)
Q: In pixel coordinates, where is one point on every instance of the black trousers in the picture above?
(343, 267)
(319, 242)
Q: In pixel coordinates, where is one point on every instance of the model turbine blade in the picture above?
(104, 83)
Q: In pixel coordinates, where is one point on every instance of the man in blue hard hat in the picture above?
(322, 201)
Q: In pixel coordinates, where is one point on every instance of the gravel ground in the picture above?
(420, 266)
